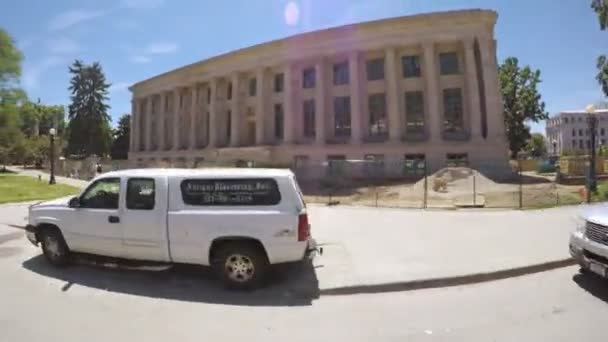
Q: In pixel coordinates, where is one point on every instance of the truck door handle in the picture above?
(113, 219)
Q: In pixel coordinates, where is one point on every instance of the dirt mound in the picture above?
(458, 180)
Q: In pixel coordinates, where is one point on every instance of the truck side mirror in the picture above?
(74, 202)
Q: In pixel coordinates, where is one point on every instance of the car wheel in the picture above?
(241, 266)
(54, 247)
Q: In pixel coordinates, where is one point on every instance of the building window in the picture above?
(228, 123)
(375, 69)
(410, 66)
(603, 142)
(457, 159)
(342, 116)
(452, 107)
(414, 111)
(415, 164)
(448, 63)
(602, 131)
(377, 115)
(308, 78)
(374, 165)
(300, 162)
(573, 132)
(587, 132)
(580, 144)
(252, 86)
(309, 118)
(580, 119)
(278, 121)
(208, 95)
(341, 75)
(565, 120)
(229, 91)
(336, 164)
(279, 79)
(580, 132)
(588, 143)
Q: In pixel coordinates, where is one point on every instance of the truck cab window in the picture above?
(140, 194)
(103, 194)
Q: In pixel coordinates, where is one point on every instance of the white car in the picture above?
(589, 243)
(236, 220)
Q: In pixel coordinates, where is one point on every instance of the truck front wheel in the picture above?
(54, 247)
(240, 265)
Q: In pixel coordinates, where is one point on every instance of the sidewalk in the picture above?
(367, 247)
(59, 179)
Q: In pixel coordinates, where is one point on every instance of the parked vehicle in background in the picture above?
(589, 243)
(239, 221)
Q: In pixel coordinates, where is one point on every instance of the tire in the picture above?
(54, 248)
(240, 265)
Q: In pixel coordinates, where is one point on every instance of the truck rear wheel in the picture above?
(54, 248)
(240, 265)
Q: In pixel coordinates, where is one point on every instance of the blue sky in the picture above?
(136, 39)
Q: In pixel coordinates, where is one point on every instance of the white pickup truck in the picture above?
(589, 243)
(236, 220)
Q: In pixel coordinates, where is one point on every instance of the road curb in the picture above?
(448, 281)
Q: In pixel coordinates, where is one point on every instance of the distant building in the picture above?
(422, 87)
(569, 132)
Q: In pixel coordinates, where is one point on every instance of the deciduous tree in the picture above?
(522, 102)
(120, 145)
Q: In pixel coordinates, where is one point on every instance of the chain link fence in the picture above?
(411, 184)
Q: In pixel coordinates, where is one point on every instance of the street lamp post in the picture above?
(592, 121)
(52, 133)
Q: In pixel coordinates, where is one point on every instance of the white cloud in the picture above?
(161, 48)
(142, 4)
(32, 73)
(140, 59)
(62, 45)
(119, 87)
(70, 18)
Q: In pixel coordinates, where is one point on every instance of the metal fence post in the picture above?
(425, 204)
(474, 189)
(521, 187)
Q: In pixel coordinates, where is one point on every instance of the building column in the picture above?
(193, 113)
(141, 143)
(148, 113)
(213, 133)
(260, 111)
(320, 101)
(161, 121)
(289, 113)
(235, 110)
(432, 97)
(392, 95)
(176, 118)
(355, 98)
(472, 89)
(495, 122)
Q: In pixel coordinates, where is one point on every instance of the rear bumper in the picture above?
(30, 233)
(312, 249)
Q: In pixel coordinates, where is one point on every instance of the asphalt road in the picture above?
(89, 303)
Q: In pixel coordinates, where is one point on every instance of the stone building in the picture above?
(568, 132)
(420, 87)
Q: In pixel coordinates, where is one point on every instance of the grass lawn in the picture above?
(14, 188)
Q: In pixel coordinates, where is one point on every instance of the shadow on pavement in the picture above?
(593, 284)
(289, 285)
